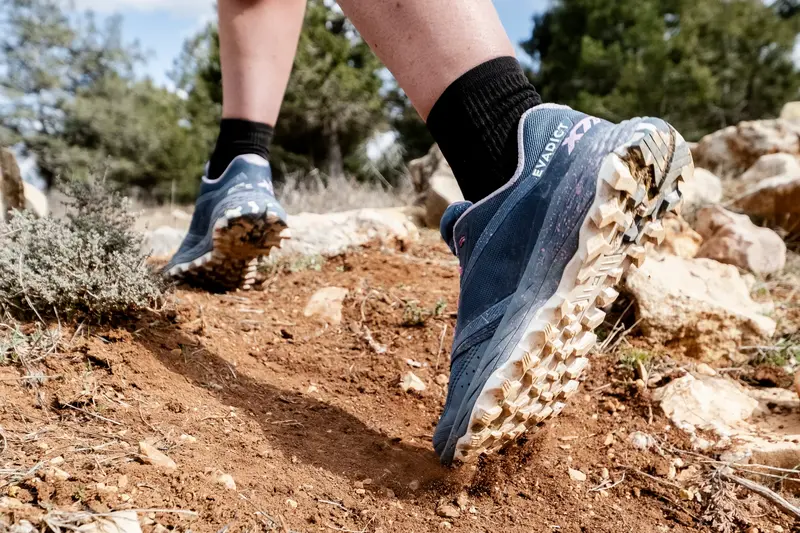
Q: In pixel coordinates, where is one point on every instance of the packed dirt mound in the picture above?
(239, 413)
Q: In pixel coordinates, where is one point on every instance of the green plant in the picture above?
(89, 265)
(631, 359)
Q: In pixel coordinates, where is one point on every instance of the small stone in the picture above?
(462, 500)
(705, 370)
(56, 461)
(151, 455)
(609, 440)
(678, 462)
(446, 525)
(752, 530)
(640, 441)
(411, 382)
(358, 485)
(367, 482)
(604, 474)
(125, 498)
(778, 529)
(414, 485)
(160, 529)
(447, 510)
(60, 474)
(326, 305)
(473, 510)
(390, 493)
(226, 480)
(312, 389)
(442, 379)
(361, 492)
(577, 475)
(686, 494)
(413, 364)
(291, 503)
(637, 492)
(176, 352)
(188, 439)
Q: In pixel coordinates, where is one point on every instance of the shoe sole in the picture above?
(239, 240)
(637, 185)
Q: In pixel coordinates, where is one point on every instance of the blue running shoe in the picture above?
(539, 261)
(236, 220)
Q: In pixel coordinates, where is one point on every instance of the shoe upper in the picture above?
(246, 185)
(514, 246)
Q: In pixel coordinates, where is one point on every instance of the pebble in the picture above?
(291, 503)
(390, 493)
(414, 485)
(604, 474)
(462, 500)
(188, 439)
(442, 379)
(705, 370)
(411, 382)
(447, 510)
(577, 475)
(153, 456)
(226, 480)
(446, 525)
(122, 482)
(640, 441)
(473, 510)
(56, 461)
(176, 352)
(686, 494)
(609, 440)
(361, 492)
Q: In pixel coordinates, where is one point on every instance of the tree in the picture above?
(700, 65)
(70, 94)
(333, 103)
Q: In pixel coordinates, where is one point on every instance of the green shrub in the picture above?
(88, 265)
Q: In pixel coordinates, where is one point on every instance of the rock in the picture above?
(331, 234)
(731, 151)
(162, 243)
(447, 510)
(291, 503)
(414, 485)
(442, 379)
(12, 188)
(326, 305)
(35, 200)
(705, 402)
(56, 474)
(188, 439)
(226, 480)
(704, 189)
(123, 481)
(116, 522)
(577, 475)
(151, 455)
(791, 111)
(771, 165)
(435, 185)
(680, 239)
(698, 304)
(705, 370)
(641, 441)
(734, 239)
(775, 201)
(411, 382)
(462, 500)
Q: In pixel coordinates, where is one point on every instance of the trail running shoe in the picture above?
(236, 220)
(539, 261)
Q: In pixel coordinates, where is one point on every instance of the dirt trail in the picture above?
(311, 423)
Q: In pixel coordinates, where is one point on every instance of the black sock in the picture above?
(475, 124)
(238, 137)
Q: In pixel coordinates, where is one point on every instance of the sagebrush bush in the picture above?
(88, 265)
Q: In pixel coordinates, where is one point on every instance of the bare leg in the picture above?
(258, 41)
(428, 45)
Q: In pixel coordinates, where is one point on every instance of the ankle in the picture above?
(238, 137)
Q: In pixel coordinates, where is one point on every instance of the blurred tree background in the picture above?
(69, 93)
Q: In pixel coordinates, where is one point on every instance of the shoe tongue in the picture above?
(449, 219)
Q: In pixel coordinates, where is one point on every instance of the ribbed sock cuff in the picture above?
(475, 123)
(239, 137)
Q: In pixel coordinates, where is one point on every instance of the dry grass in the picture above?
(317, 193)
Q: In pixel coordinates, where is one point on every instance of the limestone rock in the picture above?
(35, 200)
(731, 151)
(705, 402)
(162, 243)
(771, 165)
(435, 185)
(411, 382)
(326, 304)
(775, 201)
(447, 510)
(704, 189)
(151, 455)
(734, 239)
(791, 111)
(12, 189)
(331, 234)
(226, 480)
(577, 475)
(680, 238)
(698, 304)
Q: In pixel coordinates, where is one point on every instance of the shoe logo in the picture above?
(550, 149)
(577, 133)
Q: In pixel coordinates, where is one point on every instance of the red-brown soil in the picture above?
(311, 422)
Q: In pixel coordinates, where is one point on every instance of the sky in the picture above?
(161, 26)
